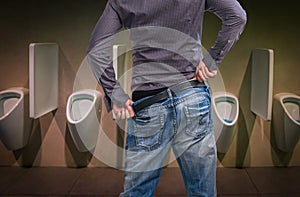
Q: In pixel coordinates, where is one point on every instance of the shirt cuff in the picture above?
(210, 63)
(119, 97)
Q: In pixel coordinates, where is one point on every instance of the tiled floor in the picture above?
(106, 182)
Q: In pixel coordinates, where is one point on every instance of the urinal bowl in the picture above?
(286, 121)
(225, 111)
(15, 124)
(83, 115)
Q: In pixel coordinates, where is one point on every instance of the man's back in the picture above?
(182, 15)
(166, 39)
(160, 31)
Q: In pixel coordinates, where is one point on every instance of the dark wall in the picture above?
(68, 23)
(271, 24)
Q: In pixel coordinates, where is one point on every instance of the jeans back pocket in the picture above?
(148, 127)
(197, 118)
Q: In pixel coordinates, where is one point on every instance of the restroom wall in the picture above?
(70, 23)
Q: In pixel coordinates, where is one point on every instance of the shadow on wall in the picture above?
(81, 159)
(30, 154)
(26, 156)
(246, 118)
(279, 157)
(245, 122)
(67, 75)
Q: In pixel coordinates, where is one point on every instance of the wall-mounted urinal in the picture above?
(15, 124)
(83, 116)
(286, 120)
(225, 111)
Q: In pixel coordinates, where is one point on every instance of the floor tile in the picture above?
(276, 180)
(171, 183)
(107, 195)
(170, 196)
(45, 181)
(31, 195)
(240, 195)
(99, 181)
(282, 195)
(94, 195)
(108, 182)
(234, 181)
(8, 175)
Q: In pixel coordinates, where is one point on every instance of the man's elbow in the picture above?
(237, 20)
(243, 18)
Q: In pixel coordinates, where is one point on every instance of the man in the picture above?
(170, 105)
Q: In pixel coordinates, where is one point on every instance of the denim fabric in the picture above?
(182, 123)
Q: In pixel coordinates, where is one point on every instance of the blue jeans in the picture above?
(182, 123)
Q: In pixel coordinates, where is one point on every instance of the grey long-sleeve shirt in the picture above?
(166, 41)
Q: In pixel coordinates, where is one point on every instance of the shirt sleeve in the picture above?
(99, 57)
(234, 20)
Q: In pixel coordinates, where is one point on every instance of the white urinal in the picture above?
(225, 111)
(286, 120)
(83, 116)
(15, 124)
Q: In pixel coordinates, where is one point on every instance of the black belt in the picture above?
(164, 94)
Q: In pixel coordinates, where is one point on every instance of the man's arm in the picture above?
(234, 19)
(99, 58)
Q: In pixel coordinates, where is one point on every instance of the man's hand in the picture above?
(202, 72)
(124, 112)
